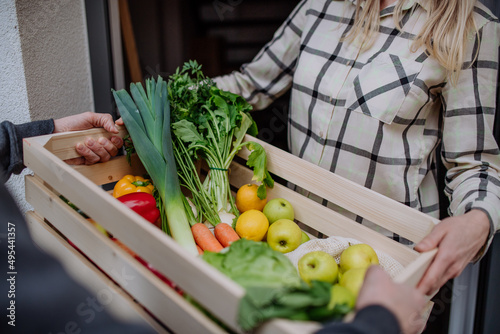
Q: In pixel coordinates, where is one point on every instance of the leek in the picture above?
(147, 117)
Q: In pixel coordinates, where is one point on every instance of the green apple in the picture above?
(340, 295)
(278, 208)
(305, 237)
(319, 266)
(284, 235)
(353, 279)
(357, 256)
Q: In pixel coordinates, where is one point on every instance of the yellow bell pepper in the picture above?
(132, 184)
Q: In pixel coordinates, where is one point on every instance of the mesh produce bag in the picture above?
(335, 246)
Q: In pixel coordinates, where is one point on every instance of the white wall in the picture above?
(44, 65)
(13, 95)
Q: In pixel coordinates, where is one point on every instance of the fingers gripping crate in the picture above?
(217, 293)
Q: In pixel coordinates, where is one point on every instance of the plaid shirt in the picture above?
(376, 117)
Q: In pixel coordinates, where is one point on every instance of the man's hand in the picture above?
(459, 239)
(91, 151)
(405, 302)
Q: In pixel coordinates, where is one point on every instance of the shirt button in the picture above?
(321, 134)
(348, 63)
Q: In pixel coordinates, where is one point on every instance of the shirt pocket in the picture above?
(382, 85)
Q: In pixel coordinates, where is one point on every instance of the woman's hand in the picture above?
(458, 239)
(91, 150)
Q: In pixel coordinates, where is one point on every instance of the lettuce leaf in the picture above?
(273, 286)
(251, 263)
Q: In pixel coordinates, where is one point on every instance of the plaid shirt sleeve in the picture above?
(469, 149)
(269, 74)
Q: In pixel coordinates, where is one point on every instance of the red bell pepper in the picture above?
(142, 203)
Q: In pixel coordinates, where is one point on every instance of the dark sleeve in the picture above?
(373, 319)
(37, 295)
(11, 144)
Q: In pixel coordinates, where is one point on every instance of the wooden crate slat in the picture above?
(142, 284)
(112, 170)
(162, 252)
(281, 326)
(332, 223)
(415, 270)
(188, 270)
(327, 221)
(383, 211)
(39, 227)
(63, 145)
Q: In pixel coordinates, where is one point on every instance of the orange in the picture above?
(252, 225)
(247, 199)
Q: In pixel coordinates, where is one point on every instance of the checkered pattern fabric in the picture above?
(376, 117)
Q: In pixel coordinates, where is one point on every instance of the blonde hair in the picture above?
(444, 35)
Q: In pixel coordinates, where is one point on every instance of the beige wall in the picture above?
(55, 56)
(44, 65)
(45, 73)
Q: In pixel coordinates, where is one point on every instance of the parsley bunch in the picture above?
(210, 124)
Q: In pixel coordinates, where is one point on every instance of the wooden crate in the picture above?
(216, 292)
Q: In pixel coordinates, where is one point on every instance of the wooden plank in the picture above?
(380, 209)
(115, 37)
(331, 223)
(282, 326)
(112, 170)
(426, 313)
(416, 270)
(65, 251)
(129, 41)
(327, 221)
(383, 211)
(63, 144)
(142, 237)
(141, 283)
(165, 254)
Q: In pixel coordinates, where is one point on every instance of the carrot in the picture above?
(205, 239)
(200, 251)
(225, 234)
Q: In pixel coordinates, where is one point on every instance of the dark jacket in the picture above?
(37, 295)
(373, 319)
(11, 144)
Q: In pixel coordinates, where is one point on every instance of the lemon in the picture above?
(252, 224)
(247, 199)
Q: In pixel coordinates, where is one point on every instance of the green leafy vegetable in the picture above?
(210, 124)
(273, 286)
(251, 263)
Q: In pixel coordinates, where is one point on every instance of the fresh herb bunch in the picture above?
(188, 89)
(209, 123)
